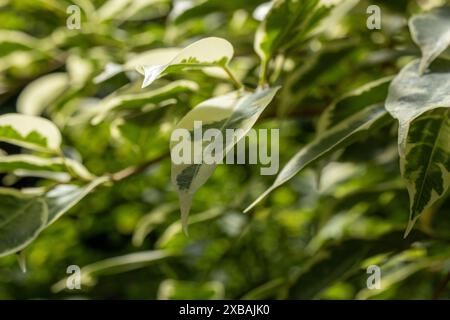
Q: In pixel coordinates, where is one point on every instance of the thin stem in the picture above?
(71, 172)
(441, 287)
(130, 171)
(230, 74)
(263, 74)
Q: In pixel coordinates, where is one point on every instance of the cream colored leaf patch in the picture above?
(30, 132)
(207, 52)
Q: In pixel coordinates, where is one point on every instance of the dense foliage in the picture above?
(87, 178)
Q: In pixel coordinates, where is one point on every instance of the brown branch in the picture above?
(301, 112)
(441, 287)
(131, 171)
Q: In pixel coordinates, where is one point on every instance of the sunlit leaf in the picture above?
(29, 132)
(426, 164)
(178, 290)
(150, 221)
(292, 22)
(65, 196)
(39, 94)
(206, 52)
(236, 110)
(21, 220)
(148, 58)
(431, 31)
(423, 134)
(341, 124)
(135, 98)
(339, 261)
(123, 263)
(29, 165)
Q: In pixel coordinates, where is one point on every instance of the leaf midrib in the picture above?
(419, 197)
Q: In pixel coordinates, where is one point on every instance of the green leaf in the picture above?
(126, 9)
(339, 125)
(64, 197)
(338, 261)
(398, 268)
(235, 110)
(426, 165)
(30, 132)
(148, 58)
(29, 165)
(268, 290)
(207, 52)
(367, 95)
(423, 134)
(12, 40)
(21, 219)
(180, 290)
(292, 22)
(114, 265)
(412, 94)
(148, 223)
(431, 31)
(134, 98)
(177, 227)
(40, 93)
(79, 70)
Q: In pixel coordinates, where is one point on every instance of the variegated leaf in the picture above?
(40, 93)
(426, 164)
(24, 217)
(21, 219)
(423, 135)
(118, 264)
(55, 168)
(291, 22)
(63, 197)
(150, 221)
(130, 97)
(207, 52)
(30, 132)
(412, 94)
(131, 9)
(236, 110)
(148, 58)
(431, 31)
(339, 125)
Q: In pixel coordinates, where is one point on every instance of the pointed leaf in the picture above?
(431, 31)
(63, 197)
(423, 135)
(29, 132)
(40, 93)
(290, 23)
(412, 94)
(148, 222)
(206, 52)
(339, 125)
(426, 165)
(132, 99)
(147, 58)
(236, 110)
(118, 264)
(23, 217)
(29, 165)
(21, 220)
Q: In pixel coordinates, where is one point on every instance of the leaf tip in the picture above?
(21, 259)
(409, 227)
(185, 207)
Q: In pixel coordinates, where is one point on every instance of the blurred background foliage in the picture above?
(311, 238)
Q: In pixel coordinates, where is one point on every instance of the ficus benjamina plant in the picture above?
(364, 124)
